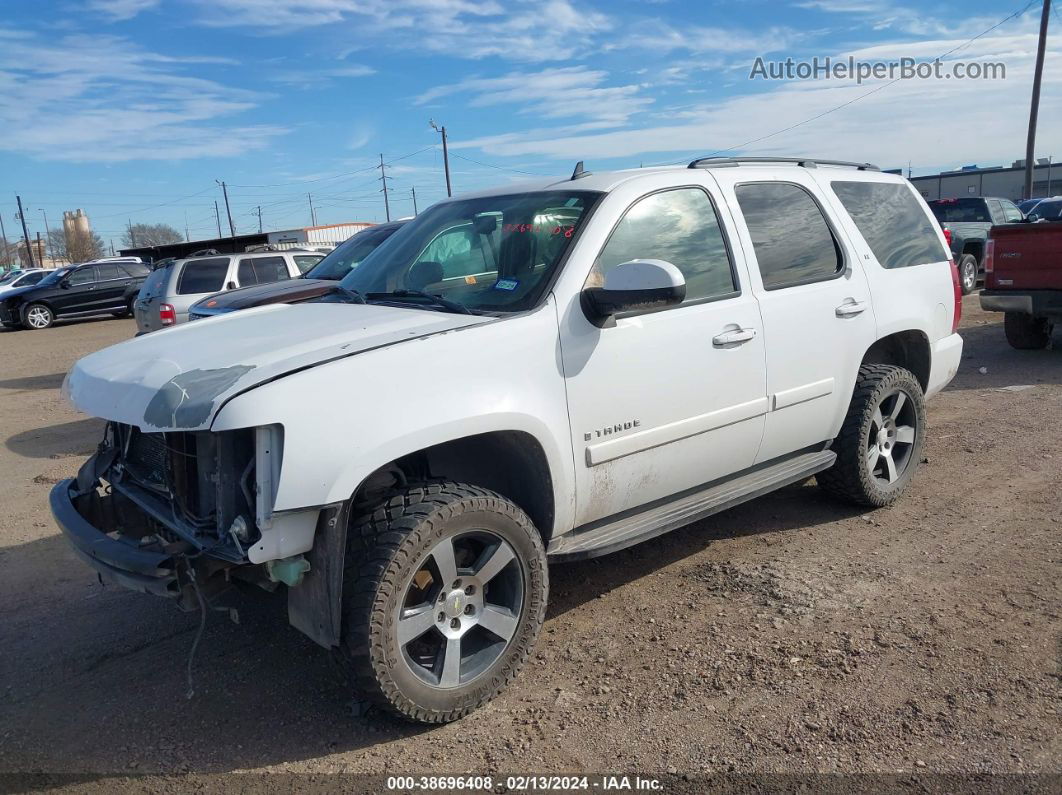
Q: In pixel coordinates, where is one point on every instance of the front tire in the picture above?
(968, 273)
(444, 594)
(1027, 332)
(880, 443)
(37, 316)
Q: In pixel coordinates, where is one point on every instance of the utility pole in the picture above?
(228, 210)
(446, 156)
(259, 219)
(313, 215)
(187, 237)
(217, 217)
(3, 234)
(25, 232)
(132, 235)
(383, 178)
(414, 191)
(47, 236)
(1030, 145)
(112, 246)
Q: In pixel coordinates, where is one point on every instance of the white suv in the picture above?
(531, 374)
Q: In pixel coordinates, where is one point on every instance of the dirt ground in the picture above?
(791, 634)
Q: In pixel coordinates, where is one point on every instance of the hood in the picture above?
(15, 292)
(288, 291)
(178, 378)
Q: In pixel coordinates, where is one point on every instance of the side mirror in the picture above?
(637, 285)
(65, 284)
(230, 286)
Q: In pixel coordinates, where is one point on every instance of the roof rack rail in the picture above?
(804, 162)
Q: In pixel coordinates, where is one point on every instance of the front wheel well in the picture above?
(511, 463)
(907, 349)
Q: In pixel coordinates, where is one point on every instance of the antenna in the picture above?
(579, 172)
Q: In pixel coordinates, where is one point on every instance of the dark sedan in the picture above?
(318, 281)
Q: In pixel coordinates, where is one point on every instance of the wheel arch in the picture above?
(974, 247)
(908, 349)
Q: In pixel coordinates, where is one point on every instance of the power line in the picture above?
(500, 168)
(154, 206)
(335, 176)
(856, 99)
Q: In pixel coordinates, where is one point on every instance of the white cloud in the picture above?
(914, 21)
(321, 78)
(101, 98)
(558, 93)
(912, 120)
(121, 9)
(659, 37)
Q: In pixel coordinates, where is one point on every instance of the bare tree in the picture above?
(77, 247)
(145, 235)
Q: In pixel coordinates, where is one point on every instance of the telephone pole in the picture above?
(217, 217)
(25, 231)
(228, 210)
(446, 156)
(259, 219)
(3, 234)
(313, 215)
(187, 237)
(132, 235)
(414, 191)
(1038, 73)
(48, 236)
(383, 178)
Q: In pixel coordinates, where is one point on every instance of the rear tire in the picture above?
(880, 443)
(967, 273)
(37, 316)
(429, 567)
(1027, 332)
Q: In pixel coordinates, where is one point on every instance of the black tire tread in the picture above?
(1026, 332)
(848, 479)
(377, 538)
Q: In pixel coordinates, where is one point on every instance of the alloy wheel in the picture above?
(461, 609)
(38, 317)
(892, 437)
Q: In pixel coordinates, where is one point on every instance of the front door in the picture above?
(79, 295)
(664, 401)
(815, 302)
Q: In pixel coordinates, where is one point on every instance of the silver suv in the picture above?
(168, 292)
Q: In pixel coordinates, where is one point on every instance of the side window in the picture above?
(82, 276)
(677, 226)
(793, 243)
(1012, 213)
(306, 261)
(202, 276)
(460, 252)
(245, 273)
(996, 211)
(270, 269)
(108, 273)
(892, 222)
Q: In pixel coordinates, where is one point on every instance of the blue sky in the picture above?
(131, 109)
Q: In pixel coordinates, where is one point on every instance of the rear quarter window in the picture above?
(203, 276)
(892, 222)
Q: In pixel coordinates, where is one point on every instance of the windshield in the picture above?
(1047, 210)
(960, 211)
(348, 255)
(496, 253)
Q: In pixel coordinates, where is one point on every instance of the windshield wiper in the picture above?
(436, 300)
(354, 296)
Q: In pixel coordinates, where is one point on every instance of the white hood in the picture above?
(177, 379)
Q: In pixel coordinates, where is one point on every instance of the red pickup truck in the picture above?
(1023, 276)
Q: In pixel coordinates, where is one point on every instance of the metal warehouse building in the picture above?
(1007, 183)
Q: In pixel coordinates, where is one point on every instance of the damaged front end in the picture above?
(183, 514)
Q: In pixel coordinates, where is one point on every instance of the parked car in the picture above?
(169, 291)
(968, 221)
(544, 373)
(22, 278)
(76, 291)
(1026, 205)
(319, 280)
(1024, 276)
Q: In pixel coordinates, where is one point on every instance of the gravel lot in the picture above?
(791, 634)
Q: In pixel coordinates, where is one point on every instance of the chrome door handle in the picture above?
(734, 337)
(851, 309)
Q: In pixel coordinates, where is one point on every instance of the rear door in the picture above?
(814, 298)
(262, 270)
(110, 286)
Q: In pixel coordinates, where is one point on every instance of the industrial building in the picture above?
(999, 181)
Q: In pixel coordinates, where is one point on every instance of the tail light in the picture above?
(957, 288)
(990, 256)
(947, 236)
(167, 314)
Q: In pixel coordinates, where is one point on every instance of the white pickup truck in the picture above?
(537, 373)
